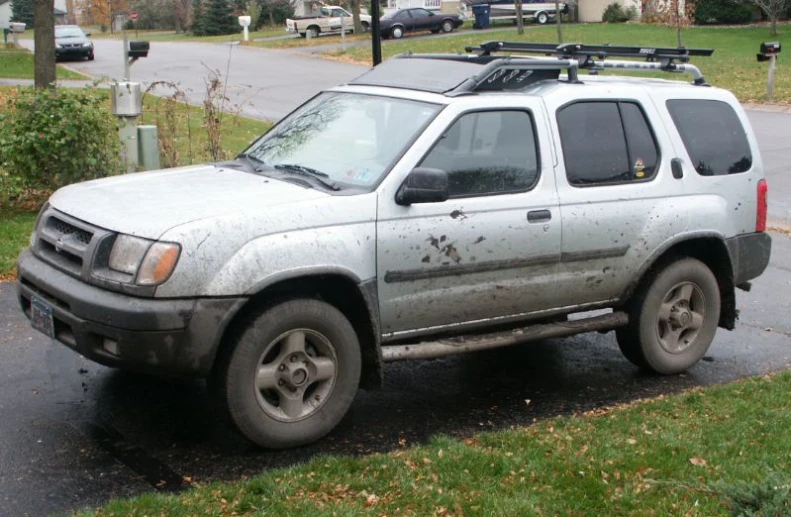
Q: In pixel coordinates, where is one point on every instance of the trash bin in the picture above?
(481, 12)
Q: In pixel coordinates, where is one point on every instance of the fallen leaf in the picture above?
(631, 441)
(699, 462)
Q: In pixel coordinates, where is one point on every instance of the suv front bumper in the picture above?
(165, 337)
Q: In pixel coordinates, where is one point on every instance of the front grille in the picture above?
(65, 242)
(63, 228)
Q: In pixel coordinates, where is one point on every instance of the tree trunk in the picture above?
(44, 40)
(520, 21)
(774, 24)
(358, 26)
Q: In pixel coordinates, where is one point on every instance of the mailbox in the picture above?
(18, 27)
(769, 49)
(245, 21)
(138, 49)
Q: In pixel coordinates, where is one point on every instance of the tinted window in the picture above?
(420, 12)
(713, 135)
(403, 15)
(487, 153)
(606, 142)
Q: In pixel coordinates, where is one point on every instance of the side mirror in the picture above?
(87, 34)
(423, 185)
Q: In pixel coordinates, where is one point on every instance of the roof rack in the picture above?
(592, 57)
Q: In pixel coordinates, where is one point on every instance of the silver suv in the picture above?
(438, 204)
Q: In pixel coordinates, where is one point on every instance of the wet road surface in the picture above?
(75, 434)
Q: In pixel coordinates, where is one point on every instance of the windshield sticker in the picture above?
(639, 168)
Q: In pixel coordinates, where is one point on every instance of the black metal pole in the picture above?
(376, 33)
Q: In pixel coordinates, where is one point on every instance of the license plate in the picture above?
(41, 317)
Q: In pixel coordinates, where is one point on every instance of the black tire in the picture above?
(366, 26)
(90, 57)
(672, 318)
(397, 32)
(447, 26)
(314, 31)
(542, 18)
(303, 407)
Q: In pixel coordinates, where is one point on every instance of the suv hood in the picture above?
(148, 204)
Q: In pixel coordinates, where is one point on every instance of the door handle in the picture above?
(539, 216)
(676, 168)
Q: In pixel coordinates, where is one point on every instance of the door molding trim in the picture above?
(411, 275)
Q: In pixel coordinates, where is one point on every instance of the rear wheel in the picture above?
(313, 32)
(447, 26)
(397, 32)
(542, 18)
(672, 320)
(291, 375)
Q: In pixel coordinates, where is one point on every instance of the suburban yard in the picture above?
(732, 66)
(719, 451)
(18, 64)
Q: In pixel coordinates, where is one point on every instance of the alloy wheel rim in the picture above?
(295, 375)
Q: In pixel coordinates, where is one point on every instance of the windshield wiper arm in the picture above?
(310, 172)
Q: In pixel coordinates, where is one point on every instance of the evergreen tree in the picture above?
(22, 11)
(219, 18)
(198, 22)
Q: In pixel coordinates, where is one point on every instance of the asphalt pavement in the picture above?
(75, 434)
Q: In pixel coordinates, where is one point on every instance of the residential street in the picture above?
(263, 83)
(76, 434)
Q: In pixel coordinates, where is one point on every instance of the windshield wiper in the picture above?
(310, 172)
(251, 161)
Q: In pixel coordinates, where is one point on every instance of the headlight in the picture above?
(58, 45)
(152, 262)
(86, 45)
(159, 263)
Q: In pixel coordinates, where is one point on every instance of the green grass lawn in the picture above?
(691, 454)
(733, 65)
(18, 64)
(15, 230)
(189, 140)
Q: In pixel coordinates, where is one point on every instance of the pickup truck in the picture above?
(327, 20)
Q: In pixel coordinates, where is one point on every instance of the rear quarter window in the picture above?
(713, 135)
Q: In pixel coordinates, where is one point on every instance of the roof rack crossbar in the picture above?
(593, 56)
(508, 65)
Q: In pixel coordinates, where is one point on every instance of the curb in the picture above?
(768, 107)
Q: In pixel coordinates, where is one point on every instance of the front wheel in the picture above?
(90, 56)
(366, 26)
(673, 319)
(447, 26)
(291, 375)
(542, 18)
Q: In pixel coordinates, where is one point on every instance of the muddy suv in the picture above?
(435, 205)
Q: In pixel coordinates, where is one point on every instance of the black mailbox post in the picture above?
(138, 49)
(769, 52)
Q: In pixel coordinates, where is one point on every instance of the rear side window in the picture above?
(713, 135)
(606, 142)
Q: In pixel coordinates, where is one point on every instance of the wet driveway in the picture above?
(75, 434)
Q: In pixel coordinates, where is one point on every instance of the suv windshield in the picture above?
(353, 139)
(69, 32)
